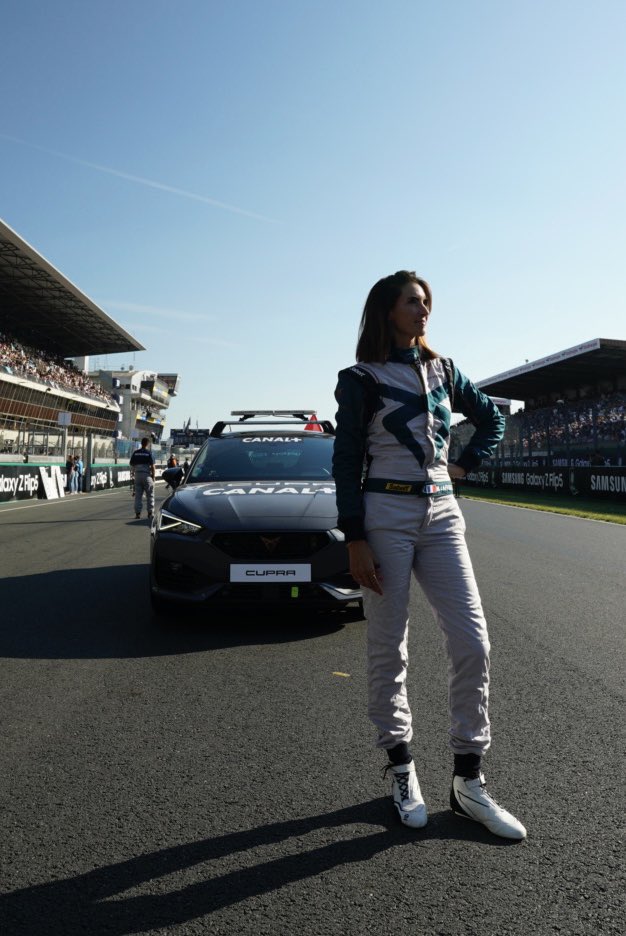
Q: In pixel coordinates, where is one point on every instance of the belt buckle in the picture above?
(395, 486)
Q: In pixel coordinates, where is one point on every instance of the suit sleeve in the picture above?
(484, 415)
(349, 453)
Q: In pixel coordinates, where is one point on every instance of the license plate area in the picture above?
(267, 572)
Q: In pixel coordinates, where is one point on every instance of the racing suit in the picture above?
(394, 418)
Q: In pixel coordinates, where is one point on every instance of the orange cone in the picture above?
(313, 425)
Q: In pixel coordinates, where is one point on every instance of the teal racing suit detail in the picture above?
(395, 419)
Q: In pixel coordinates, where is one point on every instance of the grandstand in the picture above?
(574, 411)
(48, 404)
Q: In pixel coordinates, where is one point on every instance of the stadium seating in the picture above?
(580, 426)
(20, 360)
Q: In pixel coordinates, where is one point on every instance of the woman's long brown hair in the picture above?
(375, 333)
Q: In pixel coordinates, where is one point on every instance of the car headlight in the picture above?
(169, 521)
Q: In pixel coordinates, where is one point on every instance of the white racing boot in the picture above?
(407, 796)
(469, 798)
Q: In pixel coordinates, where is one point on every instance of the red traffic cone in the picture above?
(313, 425)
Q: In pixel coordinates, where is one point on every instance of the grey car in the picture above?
(254, 522)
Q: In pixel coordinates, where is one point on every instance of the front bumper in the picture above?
(193, 571)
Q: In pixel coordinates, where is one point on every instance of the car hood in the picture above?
(254, 506)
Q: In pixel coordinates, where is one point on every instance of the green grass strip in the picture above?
(591, 509)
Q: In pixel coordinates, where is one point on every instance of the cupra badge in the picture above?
(270, 543)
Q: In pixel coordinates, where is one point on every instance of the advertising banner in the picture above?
(582, 482)
(18, 482)
(48, 482)
(544, 480)
(600, 482)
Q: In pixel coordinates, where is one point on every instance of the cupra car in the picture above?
(254, 523)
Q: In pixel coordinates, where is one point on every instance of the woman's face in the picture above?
(409, 316)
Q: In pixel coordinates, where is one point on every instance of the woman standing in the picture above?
(394, 418)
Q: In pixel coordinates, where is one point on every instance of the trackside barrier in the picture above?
(585, 482)
(28, 482)
(25, 482)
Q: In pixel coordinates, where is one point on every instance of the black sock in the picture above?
(467, 765)
(400, 754)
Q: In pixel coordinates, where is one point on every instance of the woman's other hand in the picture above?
(456, 472)
(363, 567)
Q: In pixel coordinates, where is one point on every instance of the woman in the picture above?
(394, 418)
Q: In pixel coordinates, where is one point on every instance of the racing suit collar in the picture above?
(405, 355)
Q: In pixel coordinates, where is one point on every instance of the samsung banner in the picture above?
(585, 482)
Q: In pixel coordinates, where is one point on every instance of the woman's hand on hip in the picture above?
(363, 568)
(456, 472)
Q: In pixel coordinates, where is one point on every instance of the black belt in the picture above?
(421, 489)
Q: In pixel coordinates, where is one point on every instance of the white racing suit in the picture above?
(396, 416)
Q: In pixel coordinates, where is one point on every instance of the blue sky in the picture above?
(227, 180)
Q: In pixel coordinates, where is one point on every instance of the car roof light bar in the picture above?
(265, 422)
(299, 413)
(324, 424)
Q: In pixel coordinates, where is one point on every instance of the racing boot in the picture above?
(469, 798)
(407, 796)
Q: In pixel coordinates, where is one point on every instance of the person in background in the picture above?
(401, 520)
(78, 474)
(174, 474)
(70, 471)
(142, 467)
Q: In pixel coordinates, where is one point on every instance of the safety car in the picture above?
(254, 521)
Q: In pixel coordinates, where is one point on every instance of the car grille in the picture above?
(277, 546)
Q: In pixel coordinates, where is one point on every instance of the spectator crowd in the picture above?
(51, 370)
(578, 424)
(586, 422)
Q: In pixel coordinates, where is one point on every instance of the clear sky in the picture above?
(228, 179)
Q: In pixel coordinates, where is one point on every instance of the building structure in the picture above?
(188, 438)
(143, 397)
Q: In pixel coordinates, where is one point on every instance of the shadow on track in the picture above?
(88, 903)
(105, 612)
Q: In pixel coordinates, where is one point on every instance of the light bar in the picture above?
(275, 412)
(264, 422)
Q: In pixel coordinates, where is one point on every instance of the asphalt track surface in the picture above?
(215, 775)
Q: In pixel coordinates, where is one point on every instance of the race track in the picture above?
(214, 775)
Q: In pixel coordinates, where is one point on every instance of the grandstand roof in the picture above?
(41, 308)
(582, 365)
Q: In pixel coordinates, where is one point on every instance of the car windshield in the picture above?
(264, 458)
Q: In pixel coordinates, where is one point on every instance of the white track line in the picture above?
(52, 503)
